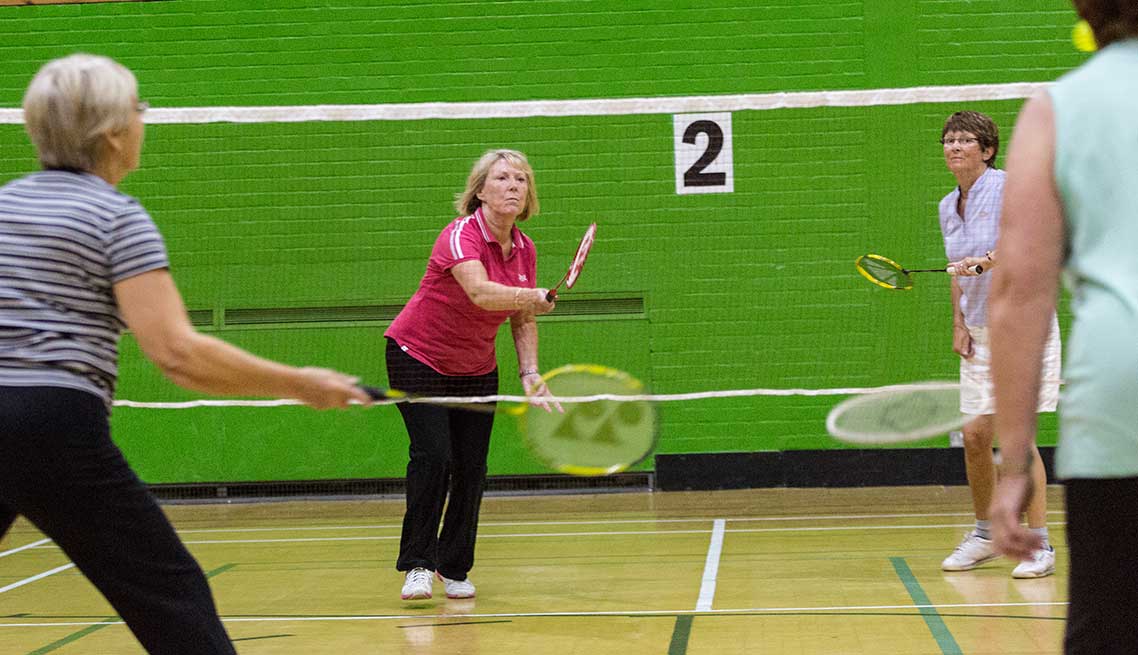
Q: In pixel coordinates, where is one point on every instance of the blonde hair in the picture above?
(72, 102)
(467, 201)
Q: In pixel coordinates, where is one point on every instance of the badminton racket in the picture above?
(578, 263)
(606, 434)
(604, 427)
(396, 396)
(885, 272)
(908, 412)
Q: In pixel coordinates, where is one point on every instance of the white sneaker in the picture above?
(1041, 564)
(973, 551)
(417, 585)
(457, 588)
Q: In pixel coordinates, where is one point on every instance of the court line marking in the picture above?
(711, 566)
(107, 622)
(933, 619)
(486, 524)
(681, 633)
(540, 615)
(605, 533)
(24, 547)
(38, 576)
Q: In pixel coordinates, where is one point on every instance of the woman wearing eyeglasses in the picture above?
(969, 223)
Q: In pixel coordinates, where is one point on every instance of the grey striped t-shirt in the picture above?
(65, 240)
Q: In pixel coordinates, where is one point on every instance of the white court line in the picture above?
(542, 615)
(711, 567)
(606, 533)
(24, 547)
(38, 576)
(486, 524)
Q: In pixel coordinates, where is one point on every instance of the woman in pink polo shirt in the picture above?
(481, 272)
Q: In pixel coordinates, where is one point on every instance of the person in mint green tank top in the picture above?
(1071, 204)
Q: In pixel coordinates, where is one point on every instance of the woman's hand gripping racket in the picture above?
(578, 263)
(885, 272)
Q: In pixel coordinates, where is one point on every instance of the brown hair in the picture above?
(978, 124)
(1111, 20)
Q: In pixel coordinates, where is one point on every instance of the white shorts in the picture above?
(977, 394)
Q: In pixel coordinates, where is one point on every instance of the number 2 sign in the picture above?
(703, 153)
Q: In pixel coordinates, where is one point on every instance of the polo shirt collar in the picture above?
(515, 233)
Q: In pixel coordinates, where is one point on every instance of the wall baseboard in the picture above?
(878, 467)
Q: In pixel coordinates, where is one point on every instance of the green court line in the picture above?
(933, 619)
(109, 621)
(680, 634)
(75, 636)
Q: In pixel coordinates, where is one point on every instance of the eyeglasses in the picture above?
(964, 141)
(142, 106)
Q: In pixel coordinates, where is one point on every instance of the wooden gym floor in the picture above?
(784, 571)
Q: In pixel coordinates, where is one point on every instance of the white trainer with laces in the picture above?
(1041, 565)
(973, 551)
(417, 585)
(457, 588)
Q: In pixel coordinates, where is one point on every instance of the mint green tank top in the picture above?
(1096, 169)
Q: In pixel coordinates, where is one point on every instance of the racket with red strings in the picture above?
(578, 263)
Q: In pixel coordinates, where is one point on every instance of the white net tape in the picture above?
(463, 400)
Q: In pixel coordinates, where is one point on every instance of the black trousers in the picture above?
(448, 453)
(1102, 530)
(60, 470)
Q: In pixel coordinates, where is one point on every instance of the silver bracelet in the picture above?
(527, 371)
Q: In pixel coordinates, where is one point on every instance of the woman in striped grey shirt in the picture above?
(79, 261)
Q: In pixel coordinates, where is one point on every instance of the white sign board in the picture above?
(704, 163)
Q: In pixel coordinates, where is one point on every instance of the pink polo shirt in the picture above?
(440, 326)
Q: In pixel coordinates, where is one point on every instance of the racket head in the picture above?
(591, 438)
(909, 412)
(582, 254)
(884, 272)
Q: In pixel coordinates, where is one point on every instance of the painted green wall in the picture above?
(750, 289)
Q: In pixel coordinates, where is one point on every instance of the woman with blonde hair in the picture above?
(480, 273)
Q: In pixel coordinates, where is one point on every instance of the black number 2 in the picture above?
(695, 176)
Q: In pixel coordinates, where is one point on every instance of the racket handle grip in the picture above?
(977, 269)
(551, 295)
(375, 392)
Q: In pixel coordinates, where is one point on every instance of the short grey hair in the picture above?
(467, 201)
(72, 102)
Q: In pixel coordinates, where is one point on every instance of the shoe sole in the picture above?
(974, 565)
(1032, 576)
(440, 578)
(416, 597)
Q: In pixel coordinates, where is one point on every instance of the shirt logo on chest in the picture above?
(521, 277)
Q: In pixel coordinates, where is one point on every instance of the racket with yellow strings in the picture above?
(611, 429)
(600, 422)
(885, 272)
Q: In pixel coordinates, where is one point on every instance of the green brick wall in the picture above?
(750, 289)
